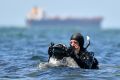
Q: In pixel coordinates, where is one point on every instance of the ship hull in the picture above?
(80, 22)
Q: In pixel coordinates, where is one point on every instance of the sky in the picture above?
(13, 12)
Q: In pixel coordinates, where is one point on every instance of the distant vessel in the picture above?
(37, 17)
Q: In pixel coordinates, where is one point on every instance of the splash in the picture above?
(53, 62)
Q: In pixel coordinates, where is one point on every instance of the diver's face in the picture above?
(74, 44)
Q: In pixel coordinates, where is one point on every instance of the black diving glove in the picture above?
(70, 50)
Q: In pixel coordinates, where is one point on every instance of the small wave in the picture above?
(37, 57)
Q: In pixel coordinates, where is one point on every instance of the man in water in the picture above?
(83, 58)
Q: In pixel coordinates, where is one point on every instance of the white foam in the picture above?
(53, 62)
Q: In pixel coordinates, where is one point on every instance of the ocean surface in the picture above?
(23, 49)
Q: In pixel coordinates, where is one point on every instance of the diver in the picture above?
(83, 58)
(76, 51)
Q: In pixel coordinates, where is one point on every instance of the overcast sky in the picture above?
(13, 12)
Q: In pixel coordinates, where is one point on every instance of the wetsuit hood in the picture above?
(79, 38)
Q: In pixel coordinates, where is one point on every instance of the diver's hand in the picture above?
(70, 50)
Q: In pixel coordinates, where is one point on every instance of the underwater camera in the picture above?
(58, 51)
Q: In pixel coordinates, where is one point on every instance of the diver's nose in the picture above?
(72, 44)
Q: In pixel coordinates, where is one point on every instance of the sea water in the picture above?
(23, 49)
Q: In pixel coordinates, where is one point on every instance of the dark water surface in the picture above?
(22, 49)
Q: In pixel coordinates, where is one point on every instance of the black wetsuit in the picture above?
(85, 59)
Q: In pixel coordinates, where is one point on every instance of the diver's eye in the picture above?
(73, 42)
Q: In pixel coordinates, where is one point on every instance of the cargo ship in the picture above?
(38, 17)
